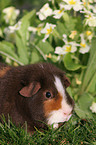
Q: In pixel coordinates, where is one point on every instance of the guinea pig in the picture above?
(35, 93)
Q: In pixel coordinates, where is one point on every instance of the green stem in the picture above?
(74, 13)
(25, 129)
(53, 3)
(55, 33)
(39, 50)
(11, 58)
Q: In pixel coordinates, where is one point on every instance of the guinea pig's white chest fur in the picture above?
(58, 110)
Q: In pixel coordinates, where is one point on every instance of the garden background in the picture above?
(62, 32)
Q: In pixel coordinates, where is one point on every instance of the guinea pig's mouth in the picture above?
(58, 125)
(61, 124)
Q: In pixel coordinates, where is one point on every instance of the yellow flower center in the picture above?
(88, 33)
(85, 4)
(83, 45)
(49, 30)
(72, 2)
(68, 48)
(59, 12)
(39, 28)
(72, 35)
(46, 9)
(11, 10)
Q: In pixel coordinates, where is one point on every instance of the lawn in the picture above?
(74, 132)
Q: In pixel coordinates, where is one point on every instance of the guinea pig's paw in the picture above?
(55, 125)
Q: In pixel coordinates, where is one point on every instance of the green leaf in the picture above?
(35, 57)
(83, 106)
(45, 47)
(29, 15)
(9, 44)
(4, 4)
(8, 48)
(25, 24)
(61, 29)
(22, 50)
(91, 69)
(56, 34)
(54, 58)
(22, 37)
(94, 143)
(79, 111)
(69, 63)
(68, 25)
(85, 101)
(66, 17)
(91, 87)
(69, 91)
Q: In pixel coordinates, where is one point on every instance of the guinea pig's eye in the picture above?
(48, 95)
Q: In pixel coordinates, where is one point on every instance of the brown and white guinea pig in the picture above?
(35, 93)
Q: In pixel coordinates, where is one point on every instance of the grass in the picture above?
(73, 132)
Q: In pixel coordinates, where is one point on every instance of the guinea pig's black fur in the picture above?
(22, 105)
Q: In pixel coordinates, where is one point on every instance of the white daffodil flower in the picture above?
(33, 29)
(58, 13)
(9, 36)
(70, 47)
(36, 29)
(93, 107)
(44, 12)
(90, 18)
(47, 30)
(73, 46)
(84, 47)
(15, 27)
(86, 3)
(91, 1)
(89, 6)
(89, 35)
(10, 14)
(65, 38)
(93, 7)
(75, 4)
(59, 50)
(91, 21)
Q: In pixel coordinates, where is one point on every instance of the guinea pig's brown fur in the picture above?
(35, 93)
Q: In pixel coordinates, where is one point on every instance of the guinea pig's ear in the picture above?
(66, 82)
(30, 90)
